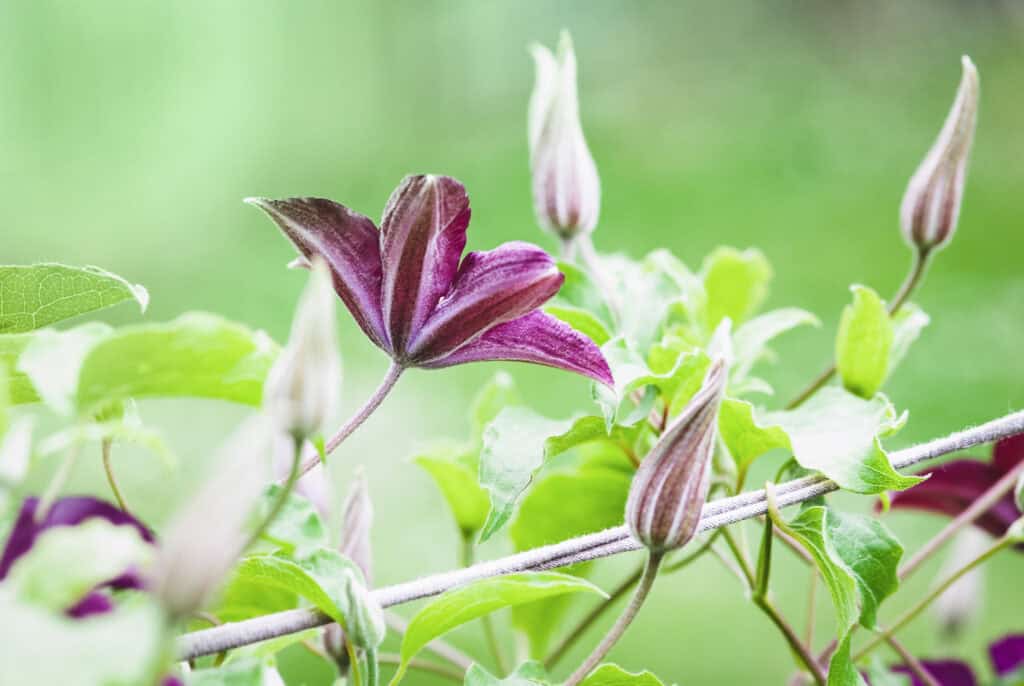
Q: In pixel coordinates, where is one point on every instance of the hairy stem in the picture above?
(716, 514)
(356, 420)
(912, 663)
(622, 623)
(906, 289)
(108, 468)
(466, 558)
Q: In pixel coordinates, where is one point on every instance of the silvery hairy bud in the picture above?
(961, 603)
(566, 189)
(355, 528)
(302, 388)
(671, 485)
(931, 203)
(207, 535)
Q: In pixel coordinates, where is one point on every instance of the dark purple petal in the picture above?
(348, 242)
(423, 233)
(490, 288)
(953, 487)
(64, 512)
(945, 673)
(538, 338)
(1008, 453)
(93, 604)
(1007, 654)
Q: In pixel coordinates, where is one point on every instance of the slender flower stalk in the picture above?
(108, 469)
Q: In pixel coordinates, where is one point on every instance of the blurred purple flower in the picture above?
(1007, 655)
(406, 288)
(954, 486)
(71, 511)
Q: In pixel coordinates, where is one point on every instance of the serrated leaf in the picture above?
(472, 601)
(515, 445)
(857, 557)
(297, 529)
(457, 482)
(40, 295)
(735, 285)
(63, 565)
(907, 325)
(612, 675)
(751, 338)
(863, 343)
(527, 674)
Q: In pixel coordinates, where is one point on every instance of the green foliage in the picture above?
(735, 285)
(879, 674)
(863, 343)
(581, 305)
(19, 387)
(612, 675)
(248, 671)
(40, 295)
(752, 337)
(479, 598)
(907, 325)
(298, 529)
(455, 473)
(527, 674)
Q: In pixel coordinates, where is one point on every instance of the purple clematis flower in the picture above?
(71, 512)
(1007, 655)
(955, 485)
(407, 289)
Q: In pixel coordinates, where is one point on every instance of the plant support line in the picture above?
(612, 541)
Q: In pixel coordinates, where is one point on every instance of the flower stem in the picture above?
(105, 446)
(906, 289)
(353, 663)
(354, 422)
(623, 622)
(282, 497)
(916, 610)
(466, 558)
(423, 666)
(912, 663)
(57, 483)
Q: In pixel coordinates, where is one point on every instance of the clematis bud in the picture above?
(931, 203)
(566, 188)
(302, 388)
(355, 528)
(671, 485)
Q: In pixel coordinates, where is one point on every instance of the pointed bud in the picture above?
(931, 203)
(671, 485)
(208, 533)
(302, 389)
(355, 528)
(566, 189)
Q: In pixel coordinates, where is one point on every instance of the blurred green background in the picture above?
(130, 131)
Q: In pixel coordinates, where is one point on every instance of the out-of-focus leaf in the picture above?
(66, 562)
(120, 647)
(128, 428)
(581, 320)
(246, 671)
(752, 337)
(245, 596)
(457, 480)
(527, 674)
(735, 285)
(581, 305)
(907, 325)
(645, 290)
(19, 387)
(39, 295)
(298, 529)
(863, 343)
(15, 454)
(53, 359)
(879, 674)
(612, 675)
(474, 600)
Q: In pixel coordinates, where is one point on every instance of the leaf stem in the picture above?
(622, 623)
(466, 559)
(916, 610)
(423, 666)
(282, 497)
(354, 669)
(356, 420)
(913, 279)
(915, 666)
(108, 468)
(741, 558)
(57, 482)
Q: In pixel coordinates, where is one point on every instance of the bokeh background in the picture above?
(130, 132)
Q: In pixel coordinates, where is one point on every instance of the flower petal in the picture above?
(423, 234)
(94, 603)
(538, 338)
(348, 242)
(945, 673)
(491, 288)
(1008, 453)
(1007, 654)
(64, 512)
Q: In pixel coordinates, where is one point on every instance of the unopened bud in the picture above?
(355, 528)
(961, 603)
(931, 203)
(566, 189)
(671, 485)
(302, 388)
(364, 621)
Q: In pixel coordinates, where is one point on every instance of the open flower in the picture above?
(1006, 654)
(954, 486)
(408, 291)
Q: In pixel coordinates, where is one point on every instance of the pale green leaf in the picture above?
(863, 343)
(581, 320)
(15, 454)
(645, 291)
(907, 325)
(66, 562)
(53, 360)
(752, 337)
(735, 284)
(528, 674)
(297, 529)
(580, 292)
(879, 674)
(457, 482)
(249, 670)
(19, 387)
(495, 396)
(612, 675)
(745, 439)
(247, 596)
(479, 598)
(515, 445)
(5, 397)
(39, 295)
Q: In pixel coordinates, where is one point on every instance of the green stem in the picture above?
(423, 666)
(906, 289)
(622, 623)
(105, 446)
(282, 497)
(354, 668)
(916, 610)
(466, 558)
(372, 667)
(912, 663)
(741, 557)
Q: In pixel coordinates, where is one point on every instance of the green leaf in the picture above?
(751, 338)
(245, 596)
(863, 343)
(907, 325)
(879, 674)
(63, 565)
(647, 289)
(36, 296)
(735, 284)
(857, 557)
(19, 387)
(528, 674)
(5, 398)
(247, 671)
(326, 579)
(743, 437)
(474, 600)
(297, 530)
(53, 359)
(560, 506)
(120, 648)
(456, 476)
(612, 675)
(495, 396)
(579, 292)
(581, 320)
(515, 445)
